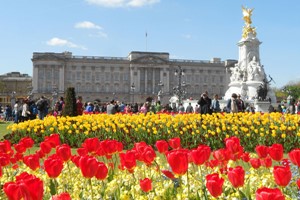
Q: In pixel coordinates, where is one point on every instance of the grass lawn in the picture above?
(3, 130)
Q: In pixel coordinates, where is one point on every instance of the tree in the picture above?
(292, 89)
(70, 103)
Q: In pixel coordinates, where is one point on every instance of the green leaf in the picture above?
(52, 187)
(242, 195)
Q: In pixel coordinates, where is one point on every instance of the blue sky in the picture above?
(187, 29)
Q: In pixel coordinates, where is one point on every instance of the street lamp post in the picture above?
(30, 93)
(161, 85)
(132, 87)
(179, 89)
(54, 95)
(13, 98)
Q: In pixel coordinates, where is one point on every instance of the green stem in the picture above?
(92, 193)
(188, 185)
(203, 182)
(134, 180)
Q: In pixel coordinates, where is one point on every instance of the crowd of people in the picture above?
(31, 109)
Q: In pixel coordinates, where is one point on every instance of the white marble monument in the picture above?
(248, 77)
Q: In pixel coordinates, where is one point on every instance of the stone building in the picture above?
(14, 86)
(129, 79)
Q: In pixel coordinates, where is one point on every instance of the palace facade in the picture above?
(130, 79)
(14, 86)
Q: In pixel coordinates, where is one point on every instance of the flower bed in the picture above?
(104, 170)
(193, 129)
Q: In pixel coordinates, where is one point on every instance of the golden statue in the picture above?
(247, 13)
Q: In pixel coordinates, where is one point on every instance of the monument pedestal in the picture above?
(262, 106)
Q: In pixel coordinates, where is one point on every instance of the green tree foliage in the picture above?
(70, 103)
(292, 89)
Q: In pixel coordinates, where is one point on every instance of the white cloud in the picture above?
(61, 42)
(87, 25)
(122, 3)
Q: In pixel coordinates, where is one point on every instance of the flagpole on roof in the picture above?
(146, 41)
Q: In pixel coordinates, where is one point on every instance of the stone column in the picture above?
(35, 78)
(61, 80)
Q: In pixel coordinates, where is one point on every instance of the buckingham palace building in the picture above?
(130, 79)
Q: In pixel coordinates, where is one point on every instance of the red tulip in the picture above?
(234, 147)
(82, 151)
(139, 147)
(40, 153)
(255, 163)
(102, 171)
(75, 160)
(88, 166)
(26, 187)
(128, 160)
(298, 183)
(45, 147)
(109, 147)
(32, 161)
(214, 184)
(146, 184)
(276, 152)
(295, 156)
(266, 162)
(4, 159)
(245, 157)
(168, 174)
(236, 176)
(91, 144)
(212, 163)
(144, 153)
(27, 141)
(62, 196)
(162, 146)
(5, 147)
(221, 155)
(269, 194)
(20, 147)
(178, 161)
(53, 166)
(64, 152)
(282, 175)
(53, 140)
(262, 151)
(201, 154)
(175, 143)
(148, 155)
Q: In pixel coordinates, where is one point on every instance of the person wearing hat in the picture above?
(232, 104)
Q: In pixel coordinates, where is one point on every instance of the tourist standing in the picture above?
(144, 108)
(298, 107)
(215, 104)
(60, 106)
(111, 108)
(181, 108)
(42, 106)
(79, 105)
(232, 104)
(205, 104)
(25, 111)
(189, 108)
(240, 104)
